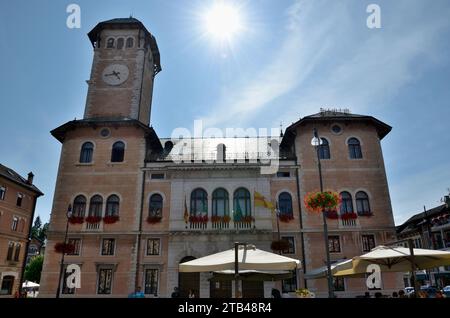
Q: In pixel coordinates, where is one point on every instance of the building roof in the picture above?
(13, 176)
(418, 218)
(334, 115)
(60, 132)
(131, 23)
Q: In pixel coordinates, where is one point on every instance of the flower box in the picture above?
(349, 216)
(317, 201)
(220, 219)
(64, 248)
(93, 219)
(332, 214)
(198, 218)
(280, 245)
(286, 217)
(76, 220)
(110, 219)
(154, 219)
(244, 219)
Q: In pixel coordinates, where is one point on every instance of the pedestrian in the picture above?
(394, 295)
(439, 294)
(191, 293)
(175, 293)
(401, 294)
(378, 295)
(276, 293)
(137, 293)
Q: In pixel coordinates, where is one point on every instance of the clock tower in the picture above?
(126, 60)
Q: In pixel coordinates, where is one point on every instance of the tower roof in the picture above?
(128, 23)
(332, 115)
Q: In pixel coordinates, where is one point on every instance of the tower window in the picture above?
(118, 152)
(110, 43)
(2, 193)
(15, 223)
(112, 205)
(86, 152)
(120, 43)
(354, 148)
(19, 199)
(79, 206)
(130, 42)
(324, 149)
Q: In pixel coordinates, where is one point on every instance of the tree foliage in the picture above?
(34, 268)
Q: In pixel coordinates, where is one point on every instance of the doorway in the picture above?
(187, 281)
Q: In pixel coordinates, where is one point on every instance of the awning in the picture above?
(249, 258)
(322, 272)
(251, 275)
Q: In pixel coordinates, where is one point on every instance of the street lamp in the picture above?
(61, 268)
(317, 142)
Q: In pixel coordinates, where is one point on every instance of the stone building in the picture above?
(143, 204)
(18, 198)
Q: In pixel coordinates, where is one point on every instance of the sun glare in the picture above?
(222, 21)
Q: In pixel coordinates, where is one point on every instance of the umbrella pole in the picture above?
(236, 270)
(413, 266)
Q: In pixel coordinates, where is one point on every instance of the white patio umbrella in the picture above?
(249, 258)
(28, 284)
(322, 272)
(397, 259)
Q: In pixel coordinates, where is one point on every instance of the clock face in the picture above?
(115, 74)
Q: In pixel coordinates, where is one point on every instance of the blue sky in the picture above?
(290, 58)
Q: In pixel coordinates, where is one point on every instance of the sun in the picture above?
(222, 21)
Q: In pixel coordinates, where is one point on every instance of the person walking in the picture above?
(175, 293)
(191, 293)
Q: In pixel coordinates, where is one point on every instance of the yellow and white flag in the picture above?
(261, 201)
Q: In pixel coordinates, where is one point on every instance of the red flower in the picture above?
(93, 219)
(154, 219)
(76, 220)
(318, 201)
(332, 214)
(349, 216)
(110, 219)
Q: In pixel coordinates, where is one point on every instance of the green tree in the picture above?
(34, 268)
(36, 227)
(42, 234)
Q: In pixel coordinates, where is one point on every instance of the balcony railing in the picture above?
(220, 225)
(243, 157)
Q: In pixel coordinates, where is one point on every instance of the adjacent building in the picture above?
(141, 205)
(18, 198)
(429, 229)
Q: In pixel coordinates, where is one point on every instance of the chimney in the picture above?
(447, 200)
(30, 178)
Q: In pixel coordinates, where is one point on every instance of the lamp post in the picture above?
(316, 142)
(61, 268)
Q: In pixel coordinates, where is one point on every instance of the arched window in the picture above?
(242, 202)
(221, 153)
(110, 43)
(354, 148)
(112, 205)
(95, 206)
(324, 149)
(156, 205)
(347, 204)
(120, 43)
(362, 203)
(199, 202)
(118, 152)
(220, 204)
(87, 150)
(130, 42)
(79, 206)
(285, 203)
